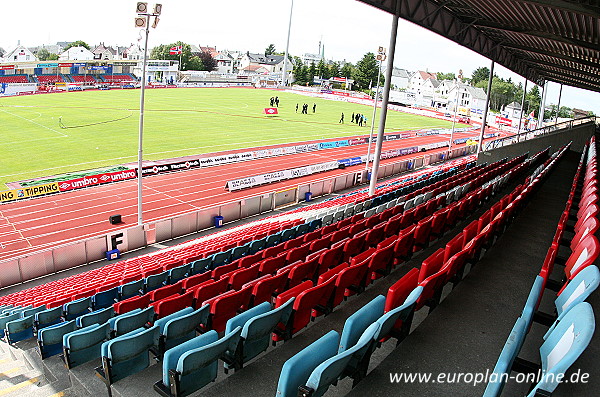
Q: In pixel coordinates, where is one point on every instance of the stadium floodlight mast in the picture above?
(381, 55)
(287, 48)
(143, 21)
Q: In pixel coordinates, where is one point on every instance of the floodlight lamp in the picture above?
(156, 19)
(157, 9)
(141, 7)
(140, 22)
(381, 50)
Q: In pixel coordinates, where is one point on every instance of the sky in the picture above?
(348, 29)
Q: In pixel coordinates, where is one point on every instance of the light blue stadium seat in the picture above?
(7, 317)
(239, 252)
(50, 338)
(288, 234)
(96, 317)
(19, 329)
(257, 325)
(130, 321)
(302, 229)
(221, 258)
(272, 240)
(297, 369)
(564, 345)
(358, 322)
(155, 281)
(33, 311)
(76, 308)
(257, 245)
(578, 290)
(127, 354)
(334, 368)
(193, 364)
(47, 317)
(509, 353)
(105, 298)
(130, 289)
(179, 273)
(314, 225)
(180, 327)
(201, 265)
(404, 312)
(532, 301)
(84, 344)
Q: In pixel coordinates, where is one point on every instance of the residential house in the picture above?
(400, 78)
(133, 52)
(256, 63)
(469, 97)
(105, 53)
(78, 53)
(19, 54)
(512, 110)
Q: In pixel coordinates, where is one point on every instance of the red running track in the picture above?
(28, 226)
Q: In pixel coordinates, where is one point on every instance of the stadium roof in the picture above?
(554, 40)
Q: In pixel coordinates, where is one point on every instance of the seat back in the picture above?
(19, 329)
(173, 304)
(400, 290)
(308, 300)
(509, 352)
(126, 323)
(358, 322)
(577, 290)
(397, 316)
(263, 290)
(297, 369)
(50, 338)
(333, 368)
(97, 317)
(198, 367)
(76, 308)
(564, 345)
(84, 344)
(181, 328)
(130, 289)
(155, 281)
(222, 309)
(179, 273)
(256, 333)
(128, 354)
(46, 317)
(585, 254)
(104, 299)
(165, 291)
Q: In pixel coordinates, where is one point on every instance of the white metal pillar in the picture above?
(558, 107)
(455, 113)
(485, 109)
(542, 106)
(287, 47)
(522, 108)
(386, 98)
(141, 127)
(373, 120)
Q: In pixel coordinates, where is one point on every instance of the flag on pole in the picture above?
(176, 50)
(271, 111)
(532, 114)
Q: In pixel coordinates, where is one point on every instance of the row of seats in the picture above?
(16, 78)
(107, 370)
(82, 285)
(572, 324)
(313, 370)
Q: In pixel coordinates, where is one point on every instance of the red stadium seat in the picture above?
(192, 281)
(165, 291)
(242, 276)
(264, 290)
(173, 304)
(136, 302)
(271, 265)
(225, 307)
(209, 290)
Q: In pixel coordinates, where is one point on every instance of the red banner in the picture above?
(65, 65)
(99, 179)
(271, 111)
(7, 67)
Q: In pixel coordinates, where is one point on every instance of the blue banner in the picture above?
(351, 161)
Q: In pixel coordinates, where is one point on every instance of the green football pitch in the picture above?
(51, 134)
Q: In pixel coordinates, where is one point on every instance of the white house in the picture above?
(259, 62)
(512, 110)
(416, 81)
(468, 97)
(76, 54)
(225, 62)
(19, 54)
(134, 52)
(399, 78)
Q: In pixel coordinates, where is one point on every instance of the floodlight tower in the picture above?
(381, 56)
(143, 21)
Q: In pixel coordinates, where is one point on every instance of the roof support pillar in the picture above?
(485, 109)
(522, 109)
(542, 106)
(386, 98)
(558, 106)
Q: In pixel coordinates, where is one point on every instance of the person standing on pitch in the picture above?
(296, 108)
(272, 101)
(314, 107)
(342, 118)
(277, 101)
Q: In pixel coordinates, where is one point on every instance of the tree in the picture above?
(365, 74)
(334, 70)
(533, 100)
(446, 76)
(347, 70)
(43, 54)
(480, 74)
(322, 70)
(78, 43)
(208, 62)
(188, 60)
(270, 50)
(312, 72)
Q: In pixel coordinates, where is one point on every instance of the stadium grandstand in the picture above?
(458, 273)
